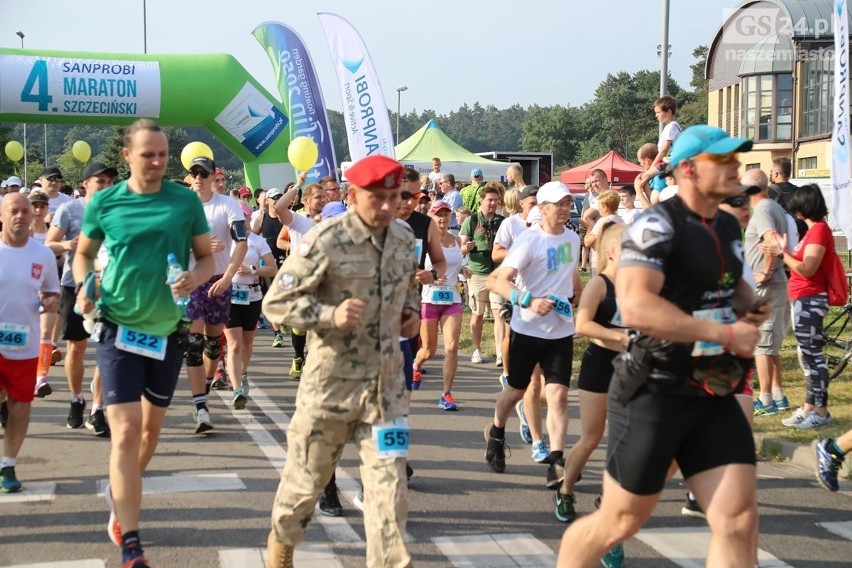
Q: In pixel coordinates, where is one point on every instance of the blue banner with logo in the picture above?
(300, 92)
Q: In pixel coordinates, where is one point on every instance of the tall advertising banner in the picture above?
(840, 146)
(300, 91)
(365, 113)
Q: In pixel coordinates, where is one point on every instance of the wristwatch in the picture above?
(434, 273)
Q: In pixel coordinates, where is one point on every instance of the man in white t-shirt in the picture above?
(51, 182)
(28, 279)
(210, 304)
(540, 278)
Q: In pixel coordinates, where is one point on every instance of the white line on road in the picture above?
(305, 556)
(32, 492)
(91, 563)
(496, 551)
(185, 483)
(687, 546)
(843, 529)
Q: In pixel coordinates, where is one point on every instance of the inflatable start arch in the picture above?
(213, 91)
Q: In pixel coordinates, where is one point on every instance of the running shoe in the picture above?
(495, 451)
(409, 471)
(358, 501)
(416, 377)
(9, 481)
(97, 423)
(782, 404)
(261, 323)
(240, 397)
(4, 413)
(828, 463)
(55, 356)
(203, 422)
(796, 418)
(138, 562)
(476, 358)
(278, 340)
(614, 558)
(761, 409)
(504, 381)
(447, 402)
(220, 380)
(329, 502)
(498, 362)
(42, 388)
(814, 420)
(113, 528)
(540, 453)
(565, 510)
(296, 368)
(555, 475)
(524, 427)
(75, 415)
(692, 508)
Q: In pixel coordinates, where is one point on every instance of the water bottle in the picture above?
(173, 270)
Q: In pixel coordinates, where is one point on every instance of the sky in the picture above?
(447, 52)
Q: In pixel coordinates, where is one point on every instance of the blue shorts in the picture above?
(126, 377)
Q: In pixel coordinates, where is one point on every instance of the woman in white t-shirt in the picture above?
(441, 302)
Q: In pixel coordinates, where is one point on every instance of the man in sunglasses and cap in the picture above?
(350, 284)
(695, 326)
(51, 182)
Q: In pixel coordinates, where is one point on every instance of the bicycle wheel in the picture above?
(838, 342)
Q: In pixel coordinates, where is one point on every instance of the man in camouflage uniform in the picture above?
(351, 285)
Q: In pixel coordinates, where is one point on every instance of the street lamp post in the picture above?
(21, 35)
(399, 91)
(664, 51)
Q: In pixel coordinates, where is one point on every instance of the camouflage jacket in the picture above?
(346, 370)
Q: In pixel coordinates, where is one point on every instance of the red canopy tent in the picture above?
(618, 170)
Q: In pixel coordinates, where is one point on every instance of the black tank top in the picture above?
(419, 224)
(608, 307)
(269, 229)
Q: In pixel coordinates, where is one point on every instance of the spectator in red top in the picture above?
(808, 291)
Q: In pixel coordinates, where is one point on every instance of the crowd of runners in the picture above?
(683, 302)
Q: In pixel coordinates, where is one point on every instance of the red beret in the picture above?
(376, 172)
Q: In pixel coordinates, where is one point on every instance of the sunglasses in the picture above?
(736, 201)
(203, 173)
(717, 158)
(55, 179)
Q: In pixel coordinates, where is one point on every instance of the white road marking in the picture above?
(32, 492)
(90, 563)
(843, 529)
(687, 546)
(185, 483)
(496, 551)
(306, 556)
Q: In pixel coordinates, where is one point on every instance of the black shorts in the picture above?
(72, 323)
(700, 432)
(127, 377)
(596, 369)
(244, 316)
(556, 357)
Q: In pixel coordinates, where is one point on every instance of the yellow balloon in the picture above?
(302, 153)
(192, 151)
(81, 151)
(14, 150)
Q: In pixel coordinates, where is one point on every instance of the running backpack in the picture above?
(838, 284)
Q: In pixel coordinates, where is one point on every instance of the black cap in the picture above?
(39, 197)
(205, 163)
(528, 191)
(51, 172)
(97, 168)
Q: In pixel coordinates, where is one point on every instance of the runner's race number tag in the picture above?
(562, 307)
(391, 438)
(443, 295)
(418, 249)
(240, 294)
(14, 336)
(718, 315)
(140, 343)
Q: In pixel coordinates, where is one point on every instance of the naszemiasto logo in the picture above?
(840, 140)
(360, 116)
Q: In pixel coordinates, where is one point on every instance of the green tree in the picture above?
(555, 129)
(694, 110)
(110, 153)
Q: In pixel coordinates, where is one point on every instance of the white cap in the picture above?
(534, 216)
(552, 192)
(14, 180)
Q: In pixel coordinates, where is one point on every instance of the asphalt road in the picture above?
(210, 496)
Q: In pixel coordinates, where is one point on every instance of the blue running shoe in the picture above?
(828, 463)
(614, 558)
(540, 453)
(447, 402)
(782, 405)
(9, 482)
(524, 427)
(504, 381)
(761, 409)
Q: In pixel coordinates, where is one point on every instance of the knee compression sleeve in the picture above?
(212, 347)
(194, 350)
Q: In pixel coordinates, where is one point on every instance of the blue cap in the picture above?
(701, 138)
(476, 173)
(333, 209)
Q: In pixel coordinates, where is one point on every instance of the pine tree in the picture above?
(111, 154)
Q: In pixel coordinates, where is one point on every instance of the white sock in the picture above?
(777, 394)
(765, 398)
(8, 462)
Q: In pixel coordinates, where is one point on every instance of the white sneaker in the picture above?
(476, 357)
(814, 420)
(796, 418)
(499, 361)
(203, 422)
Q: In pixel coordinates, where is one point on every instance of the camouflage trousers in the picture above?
(314, 447)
